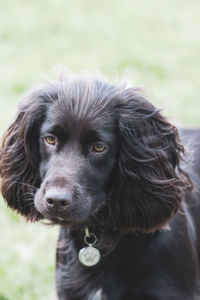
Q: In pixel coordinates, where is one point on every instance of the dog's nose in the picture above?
(58, 199)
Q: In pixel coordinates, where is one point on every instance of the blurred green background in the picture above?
(154, 44)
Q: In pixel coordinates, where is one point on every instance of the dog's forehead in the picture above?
(68, 116)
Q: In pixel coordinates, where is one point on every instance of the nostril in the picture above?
(49, 201)
(64, 203)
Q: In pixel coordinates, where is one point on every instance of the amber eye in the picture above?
(50, 139)
(99, 147)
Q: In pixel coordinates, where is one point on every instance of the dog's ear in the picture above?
(149, 185)
(19, 154)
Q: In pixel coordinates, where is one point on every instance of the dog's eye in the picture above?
(99, 147)
(50, 139)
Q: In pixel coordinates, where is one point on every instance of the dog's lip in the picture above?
(56, 221)
(57, 218)
(63, 221)
(60, 219)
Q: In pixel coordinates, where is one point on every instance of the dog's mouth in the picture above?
(67, 218)
(57, 221)
(79, 211)
(60, 221)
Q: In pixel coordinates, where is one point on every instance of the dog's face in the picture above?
(79, 145)
(78, 157)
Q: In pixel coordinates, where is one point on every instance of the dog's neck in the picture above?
(106, 239)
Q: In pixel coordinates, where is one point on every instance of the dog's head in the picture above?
(81, 147)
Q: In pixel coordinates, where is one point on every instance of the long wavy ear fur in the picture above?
(150, 183)
(19, 155)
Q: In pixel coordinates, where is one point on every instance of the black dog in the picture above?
(101, 161)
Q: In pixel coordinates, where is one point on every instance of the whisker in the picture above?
(28, 185)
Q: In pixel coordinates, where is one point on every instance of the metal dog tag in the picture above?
(89, 256)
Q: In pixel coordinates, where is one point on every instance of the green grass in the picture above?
(27, 258)
(154, 44)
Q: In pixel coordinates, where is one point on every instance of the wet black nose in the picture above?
(58, 199)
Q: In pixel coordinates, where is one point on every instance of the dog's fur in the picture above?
(133, 195)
